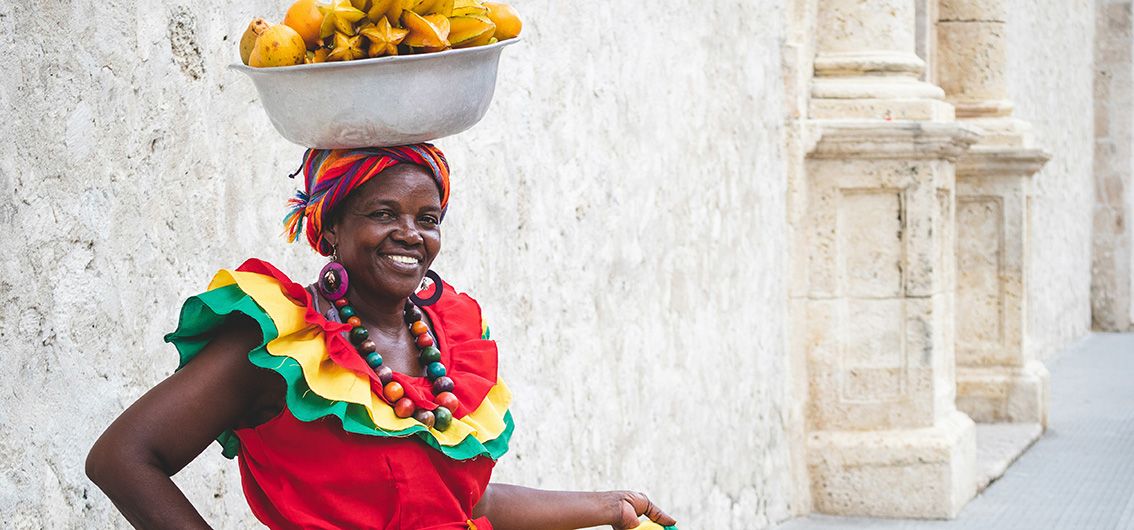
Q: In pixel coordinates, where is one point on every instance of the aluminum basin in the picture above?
(379, 102)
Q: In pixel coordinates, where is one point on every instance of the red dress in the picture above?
(336, 456)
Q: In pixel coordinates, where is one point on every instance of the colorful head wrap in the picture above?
(331, 174)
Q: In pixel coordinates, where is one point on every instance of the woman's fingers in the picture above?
(639, 504)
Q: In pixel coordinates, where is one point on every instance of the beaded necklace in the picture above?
(332, 281)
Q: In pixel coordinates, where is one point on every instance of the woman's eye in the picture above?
(430, 220)
(382, 214)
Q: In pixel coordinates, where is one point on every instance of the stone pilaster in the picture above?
(874, 319)
(997, 378)
(866, 65)
(872, 298)
(1112, 270)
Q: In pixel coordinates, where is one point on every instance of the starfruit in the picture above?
(426, 32)
(390, 9)
(432, 7)
(384, 38)
(464, 8)
(339, 16)
(347, 48)
(466, 32)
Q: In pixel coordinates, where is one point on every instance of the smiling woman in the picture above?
(352, 402)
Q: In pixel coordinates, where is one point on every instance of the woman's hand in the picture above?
(518, 508)
(631, 505)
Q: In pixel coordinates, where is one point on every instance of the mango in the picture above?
(305, 18)
(248, 39)
(279, 45)
(507, 20)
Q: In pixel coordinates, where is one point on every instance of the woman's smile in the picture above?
(402, 262)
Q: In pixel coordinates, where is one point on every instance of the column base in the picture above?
(911, 473)
(1004, 394)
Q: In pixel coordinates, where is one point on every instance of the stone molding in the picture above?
(1000, 161)
(896, 140)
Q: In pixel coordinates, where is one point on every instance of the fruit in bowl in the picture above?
(347, 30)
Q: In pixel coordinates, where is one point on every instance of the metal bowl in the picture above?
(379, 102)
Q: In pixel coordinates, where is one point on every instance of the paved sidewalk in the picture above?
(1080, 475)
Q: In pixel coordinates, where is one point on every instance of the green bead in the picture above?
(442, 418)
(430, 355)
(435, 370)
(346, 312)
(359, 334)
(374, 359)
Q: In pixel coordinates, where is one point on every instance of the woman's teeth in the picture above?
(406, 260)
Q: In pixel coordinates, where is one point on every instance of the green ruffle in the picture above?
(203, 313)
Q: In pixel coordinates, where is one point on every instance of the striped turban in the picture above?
(331, 174)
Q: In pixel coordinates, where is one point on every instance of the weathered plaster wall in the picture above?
(1112, 282)
(1050, 80)
(619, 215)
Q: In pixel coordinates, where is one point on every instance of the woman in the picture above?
(351, 403)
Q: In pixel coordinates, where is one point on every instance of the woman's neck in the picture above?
(384, 315)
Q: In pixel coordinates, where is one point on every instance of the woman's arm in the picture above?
(173, 423)
(518, 508)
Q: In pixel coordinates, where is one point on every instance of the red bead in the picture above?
(393, 392)
(419, 328)
(385, 375)
(404, 407)
(354, 321)
(424, 341)
(341, 302)
(447, 400)
(425, 417)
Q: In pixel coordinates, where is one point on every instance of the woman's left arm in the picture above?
(518, 508)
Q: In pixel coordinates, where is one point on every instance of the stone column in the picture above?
(1112, 274)
(866, 64)
(872, 298)
(997, 378)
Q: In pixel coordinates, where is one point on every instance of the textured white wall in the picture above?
(1050, 45)
(619, 215)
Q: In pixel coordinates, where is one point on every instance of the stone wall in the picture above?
(1113, 274)
(1050, 80)
(619, 214)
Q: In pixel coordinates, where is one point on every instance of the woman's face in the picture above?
(388, 232)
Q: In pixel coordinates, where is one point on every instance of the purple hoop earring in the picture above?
(333, 281)
(422, 302)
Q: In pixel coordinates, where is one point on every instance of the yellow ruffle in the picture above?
(305, 343)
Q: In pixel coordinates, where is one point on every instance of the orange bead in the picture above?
(404, 408)
(394, 391)
(447, 400)
(354, 321)
(419, 328)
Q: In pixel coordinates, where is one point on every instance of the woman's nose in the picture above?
(407, 232)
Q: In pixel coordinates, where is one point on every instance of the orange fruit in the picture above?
(305, 19)
(506, 18)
